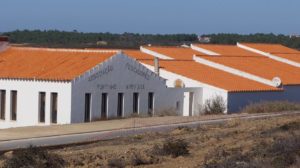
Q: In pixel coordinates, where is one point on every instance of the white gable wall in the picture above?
(121, 74)
(28, 101)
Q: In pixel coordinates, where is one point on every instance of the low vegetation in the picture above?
(267, 143)
(215, 105)
(171, 147)
(32, 157)
(273, 106)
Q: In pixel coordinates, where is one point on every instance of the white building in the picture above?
(245, 75)
(40, 86)
(60, 86)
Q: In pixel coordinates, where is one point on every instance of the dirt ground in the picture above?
(271, 142)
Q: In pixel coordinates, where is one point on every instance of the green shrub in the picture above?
(215, 105)
(272, 106)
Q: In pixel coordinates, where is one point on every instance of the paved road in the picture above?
(106, 135)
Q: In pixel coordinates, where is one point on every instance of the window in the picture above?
(104, 106)
(135, 102)
(42, 107)
(120, 104)
(13, 108)
(53, 107)
(150, 103)
(87, 113)
(2, 104)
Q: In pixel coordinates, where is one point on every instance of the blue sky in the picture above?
(153, 16)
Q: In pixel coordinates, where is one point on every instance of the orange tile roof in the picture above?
(292, 57)
(227, 50)
(277, 50)
(137, 54)
(204, 74)
(47, 64)
(178, 53)
(272, 48)
(261, 66)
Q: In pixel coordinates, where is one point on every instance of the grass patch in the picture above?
(273, 106)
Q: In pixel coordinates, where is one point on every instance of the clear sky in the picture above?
(153, 16)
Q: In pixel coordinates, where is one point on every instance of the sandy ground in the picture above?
(271, 142)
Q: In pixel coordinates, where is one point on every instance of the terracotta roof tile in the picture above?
(277, 50)
(47, 64)
(227, 50)
(204, 74)
(272, 48)
(179, 53)
(261, 66)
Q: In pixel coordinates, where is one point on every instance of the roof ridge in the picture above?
(66, 50)
(262, 43)
(230, 56)
(166, 46)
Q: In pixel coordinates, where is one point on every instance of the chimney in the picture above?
(156, 65)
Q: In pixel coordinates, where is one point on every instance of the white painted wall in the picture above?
(114, 76)
(28, 101)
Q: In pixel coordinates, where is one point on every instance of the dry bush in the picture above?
(215, 105)
(34, 157)
(281, 153)
(116, 163)
(285, 151)
(290, 126)
(138, 159)
(185, 128)
(272, 106)
(172, 147)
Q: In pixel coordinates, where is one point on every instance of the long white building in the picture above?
(40, 86)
